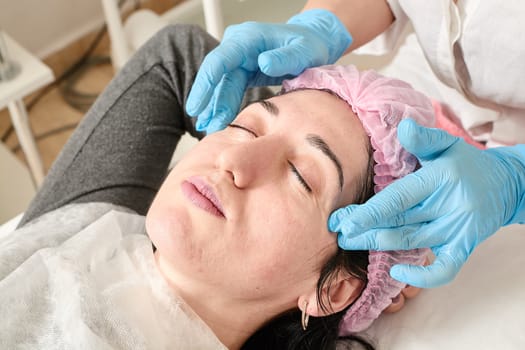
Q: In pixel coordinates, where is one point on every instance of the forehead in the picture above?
(320, 110)
(305, 112)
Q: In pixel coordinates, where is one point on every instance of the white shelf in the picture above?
(34, 74)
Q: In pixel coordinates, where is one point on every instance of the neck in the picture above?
(233, 321)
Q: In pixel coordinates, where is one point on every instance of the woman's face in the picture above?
(246, 210)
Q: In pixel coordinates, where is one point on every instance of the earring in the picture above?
(305, 316)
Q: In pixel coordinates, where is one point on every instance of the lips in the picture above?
(202, 196)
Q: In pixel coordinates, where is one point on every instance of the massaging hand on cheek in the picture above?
(459, 197)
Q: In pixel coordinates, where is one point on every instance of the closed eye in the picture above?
(232, 125)
(300, 178)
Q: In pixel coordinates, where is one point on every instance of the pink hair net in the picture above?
(380, 103)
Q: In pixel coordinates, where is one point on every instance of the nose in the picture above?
(253, 162)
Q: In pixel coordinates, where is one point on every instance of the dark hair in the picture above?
(285, 331)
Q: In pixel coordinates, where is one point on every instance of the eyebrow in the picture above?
(317, 142)
(314, 140)
(270, 107)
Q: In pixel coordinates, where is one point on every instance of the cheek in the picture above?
(167, 225)
(287, 245)
(168, 221)
(204, 153)
(172, 226)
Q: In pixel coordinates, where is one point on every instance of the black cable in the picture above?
(80, 62)
(71, 70)
(51, 132)
(6, 134)
(76, 99)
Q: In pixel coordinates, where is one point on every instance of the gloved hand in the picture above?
(261, 54)
(459, 197)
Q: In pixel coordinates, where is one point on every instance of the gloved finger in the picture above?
(202, 90)
(424, 143)
(216, 125)
(204, 117)
(431, 234)
(335, 220)
(414, 215)
(392, 201)
(441, 271)
(261, 79)
(404, 237)
(410, 292)
(227, 99)
(221, 60)
(291, 59)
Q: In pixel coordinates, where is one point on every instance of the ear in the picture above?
(341, 292)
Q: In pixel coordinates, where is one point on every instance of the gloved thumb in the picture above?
(441, 271)
(424, 143)
(286, 60)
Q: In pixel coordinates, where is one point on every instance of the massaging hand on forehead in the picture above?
(459, 197)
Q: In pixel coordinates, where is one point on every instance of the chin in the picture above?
(168, 227)
(176, 232)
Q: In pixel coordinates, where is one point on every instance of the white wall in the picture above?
(45, 26)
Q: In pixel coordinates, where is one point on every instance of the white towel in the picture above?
(84, 277)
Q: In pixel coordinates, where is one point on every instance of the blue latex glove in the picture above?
(261, 54)
(459, 197)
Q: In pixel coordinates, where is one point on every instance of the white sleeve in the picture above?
(388, 40)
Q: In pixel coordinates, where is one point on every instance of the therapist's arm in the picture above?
(364, 19)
